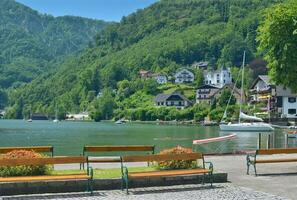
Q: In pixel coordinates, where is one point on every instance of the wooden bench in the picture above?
(85, 175)
(253, 159)
(126, 175)
(115, 148)
(38, 149)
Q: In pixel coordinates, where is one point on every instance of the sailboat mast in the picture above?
(242, 93)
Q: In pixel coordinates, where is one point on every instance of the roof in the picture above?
(231, 85)
(164, 97)
(183, 69)
(207, 86)
(264, 78)
(284, 92)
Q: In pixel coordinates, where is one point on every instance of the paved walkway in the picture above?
(224, 191)
(275, 178)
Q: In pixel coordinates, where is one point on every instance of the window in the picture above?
(292, 111)
(218, 81)
(204, 96)
(179, 103)
(172, 103)
(292, 99)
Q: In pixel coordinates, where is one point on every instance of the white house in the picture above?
(79, 116)
(218, 78)
(275, 98)
(160, 78)
(172, 100)
(286, 102)
(184, 76)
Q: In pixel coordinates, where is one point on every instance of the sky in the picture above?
(108, 10)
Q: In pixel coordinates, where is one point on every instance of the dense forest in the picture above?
(162, 38)
(32, 43)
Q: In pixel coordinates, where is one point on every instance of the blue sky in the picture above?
(108, 10)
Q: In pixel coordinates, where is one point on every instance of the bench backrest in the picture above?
(43, 161)
(118, 148)
(38, 149)
(162, 157)
(276, 151)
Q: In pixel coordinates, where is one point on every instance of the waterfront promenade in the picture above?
(275, 181)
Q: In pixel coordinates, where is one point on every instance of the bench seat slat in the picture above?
(162, 157)
(43, 161)
(276, 160)
(118, 148)
(104, 160)
(44, 178)
(276, 151)
(167, 173)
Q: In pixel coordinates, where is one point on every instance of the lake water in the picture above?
(68, 138)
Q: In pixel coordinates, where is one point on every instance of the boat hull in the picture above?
(246, 127)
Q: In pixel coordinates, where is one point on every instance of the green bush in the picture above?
(23, 170)
(177, 164)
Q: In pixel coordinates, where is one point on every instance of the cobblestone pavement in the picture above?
(224, 191)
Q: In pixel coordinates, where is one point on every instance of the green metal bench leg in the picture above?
(255, 169)
(248, 169)
(91, 186)
(122, 184)
(203, 179)
(127, 186)
(211, 178)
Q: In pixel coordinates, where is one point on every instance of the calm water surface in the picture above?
(68, 138)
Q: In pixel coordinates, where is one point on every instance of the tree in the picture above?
(3, 98)
(278, 41)
(224, 98)
(103, 106)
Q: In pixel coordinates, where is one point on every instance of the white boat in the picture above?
(253, 126)
(259, 125)
(56, 117)
(29, 120)
(120, 121)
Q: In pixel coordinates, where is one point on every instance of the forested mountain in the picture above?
(31, 43)
(163, 37)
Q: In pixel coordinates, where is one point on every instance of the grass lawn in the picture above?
(105, 173)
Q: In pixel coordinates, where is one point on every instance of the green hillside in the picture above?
(31, 43)
(163, 37)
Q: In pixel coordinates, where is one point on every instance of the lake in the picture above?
(68, 138)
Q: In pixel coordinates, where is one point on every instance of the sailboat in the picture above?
(30, 117)
(256, 123)
(56, 120)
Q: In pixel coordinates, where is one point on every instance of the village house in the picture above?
(80, 116)
(205, 93)
(160, 78)
(184, 76)
(218, 78)
(200, 65)
(172, 100)
(208, 93)
(275, 99)
(145, 74)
